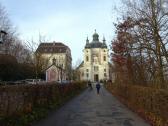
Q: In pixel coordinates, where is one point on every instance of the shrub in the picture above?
(21, 104)
(150, 103)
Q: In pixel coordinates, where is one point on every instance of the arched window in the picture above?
(104, 58)
(87, 58)
(87, 75)
(105, 75)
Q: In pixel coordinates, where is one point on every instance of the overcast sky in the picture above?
(67, 21)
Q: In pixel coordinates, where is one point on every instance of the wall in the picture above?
(60, 58)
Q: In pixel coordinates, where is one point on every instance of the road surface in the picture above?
(92, 109)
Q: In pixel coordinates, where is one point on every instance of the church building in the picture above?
(95, 65)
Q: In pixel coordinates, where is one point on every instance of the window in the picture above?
(105, 75)
(104, 70)
(104, 58)
(87, 70)
(87, 58)
(104, 50)
(87, 75)
(96, 68)
(95, 59)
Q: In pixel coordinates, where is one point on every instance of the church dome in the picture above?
(95, 43)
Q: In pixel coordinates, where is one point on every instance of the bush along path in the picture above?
(148, 102)
(92, 109)
(24, 104)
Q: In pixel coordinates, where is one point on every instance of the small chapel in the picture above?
(95, 65)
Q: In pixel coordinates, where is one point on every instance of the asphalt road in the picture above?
(92, 109)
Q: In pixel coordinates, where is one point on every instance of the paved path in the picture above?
(90, 109)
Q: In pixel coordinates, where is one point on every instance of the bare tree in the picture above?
(75, 70)
(39, 62)
(12, 45)
(149, 28)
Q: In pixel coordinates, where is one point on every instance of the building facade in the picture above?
(61, 54)
(95, 65)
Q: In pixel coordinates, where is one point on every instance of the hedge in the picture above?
(150, 103)
(22, 104)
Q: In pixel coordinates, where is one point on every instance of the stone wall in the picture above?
(21, 99)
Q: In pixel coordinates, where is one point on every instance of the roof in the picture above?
(7, 58)
(55, 66)
(81, 65)
(55, 47)
(95, 42)
(96, 45)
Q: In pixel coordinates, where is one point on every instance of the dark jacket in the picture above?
(98, 85)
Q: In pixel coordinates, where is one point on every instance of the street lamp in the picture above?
(2, 35)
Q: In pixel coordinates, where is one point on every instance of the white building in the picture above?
(95, 65)
(62, 59)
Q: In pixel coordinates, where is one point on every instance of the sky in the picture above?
(67, 21)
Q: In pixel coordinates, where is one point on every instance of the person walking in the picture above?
(98, 87)
(90, 85)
